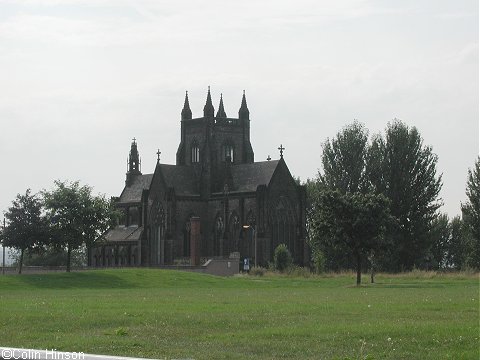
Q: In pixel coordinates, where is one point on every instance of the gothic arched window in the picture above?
(195, 153)
(228, 152)
(234, 234)
(133, 216)
(251, 218)
(157, 233)
(218, 235)
(186, 236)
(283, 224)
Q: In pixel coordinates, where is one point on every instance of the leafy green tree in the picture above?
(318, 259)
(344, 160)
(336, 254)
(27, 227)
(440, 242)
(356, 220)
(471, 213)
(77, 217)
(402, 168)
(460, 245)
(344, 164)
(314, 239)
(451, 244)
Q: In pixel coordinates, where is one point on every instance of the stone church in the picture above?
(239, 202)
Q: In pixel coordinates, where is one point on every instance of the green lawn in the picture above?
(172, 314)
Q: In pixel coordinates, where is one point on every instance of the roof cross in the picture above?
(281, 148)
(158, 155)
(134, 140)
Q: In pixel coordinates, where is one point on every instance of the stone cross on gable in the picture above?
(134, 140)
(158, 155)
(281, 148)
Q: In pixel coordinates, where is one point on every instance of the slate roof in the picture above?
(179, 177)
(124, 233)
(246, 177)
(133, 193)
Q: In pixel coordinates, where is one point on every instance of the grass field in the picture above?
(172, 314)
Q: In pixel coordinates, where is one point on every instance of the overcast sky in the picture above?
(80, 78)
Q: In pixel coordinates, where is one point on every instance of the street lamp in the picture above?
(255, 239)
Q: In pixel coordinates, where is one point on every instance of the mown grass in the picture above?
(173, 314)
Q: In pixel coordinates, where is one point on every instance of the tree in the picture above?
(452, 244)
(471, 213)
(460, 245)
(77, 217)
(440, 242)
(344, 160)
(314, 239)
(27, 227)
(344, 163)
(318, 260)
(356, 220)
(404, 170)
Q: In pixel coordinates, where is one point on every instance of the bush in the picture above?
(298, 271)
(258, 271)
(182, 261)
(282, 258)
(318, 258)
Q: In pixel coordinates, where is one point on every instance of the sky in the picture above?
(80, 78)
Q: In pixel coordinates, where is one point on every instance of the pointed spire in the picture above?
(221, 111)
(208, 110)
(133, 163)
(243, 113)
(186, 112)
(134, 158)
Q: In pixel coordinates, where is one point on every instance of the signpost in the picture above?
(246, 264)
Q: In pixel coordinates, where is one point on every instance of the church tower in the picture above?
(133, 164)
(227, 136)
(209, 142)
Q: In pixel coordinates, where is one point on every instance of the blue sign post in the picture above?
(246, 264)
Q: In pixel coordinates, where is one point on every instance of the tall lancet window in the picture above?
(228, 152)
(195, 153)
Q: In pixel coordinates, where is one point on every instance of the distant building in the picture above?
(216, 179)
